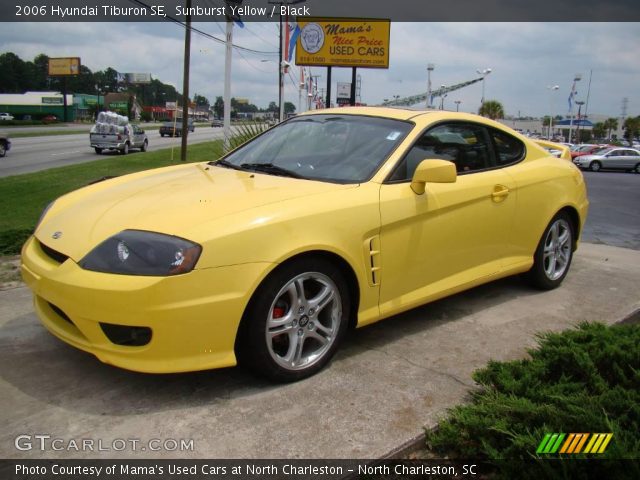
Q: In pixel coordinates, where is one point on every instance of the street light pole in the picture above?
(484, 74)
(576, 78)
(458, 102)
(579, 103)
(430, 67)
(551, 90)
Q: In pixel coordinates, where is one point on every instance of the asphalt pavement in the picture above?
(32, 154)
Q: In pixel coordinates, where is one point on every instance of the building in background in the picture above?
(37, 105)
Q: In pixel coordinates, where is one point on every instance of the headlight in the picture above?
(136, 252)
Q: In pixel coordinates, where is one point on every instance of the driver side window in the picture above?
(466, 145)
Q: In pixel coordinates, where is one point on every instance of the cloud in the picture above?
(525, 59)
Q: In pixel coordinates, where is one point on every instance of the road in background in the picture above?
(32, 154)
(614, 217)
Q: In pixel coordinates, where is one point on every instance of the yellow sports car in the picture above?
(331, 220)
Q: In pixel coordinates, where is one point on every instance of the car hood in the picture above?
(171, 200)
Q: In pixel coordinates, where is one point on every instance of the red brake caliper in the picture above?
(278, 312)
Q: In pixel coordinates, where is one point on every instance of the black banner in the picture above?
(199, 469)
(270, 10)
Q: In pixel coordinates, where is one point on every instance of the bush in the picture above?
(582, 380)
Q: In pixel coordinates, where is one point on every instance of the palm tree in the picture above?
(631, 128)
(599, 130)
(610, 124)
(492, 109)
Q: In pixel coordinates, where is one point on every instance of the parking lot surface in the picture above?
(387, 382)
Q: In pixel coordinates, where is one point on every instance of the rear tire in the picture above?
(125, 149)
(98, 150)
(637, 168)
(552, 258)
(595, 166)
(3, 149)
(295, 321)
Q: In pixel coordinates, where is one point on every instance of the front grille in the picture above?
(125, 335)
(60, 313)
(53, 254)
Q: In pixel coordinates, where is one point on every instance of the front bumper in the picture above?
(193, 317)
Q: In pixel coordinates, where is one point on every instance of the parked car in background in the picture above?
(6, 116)
(5, 144)
(50, 119)
(619, 158)
(331, 220)
(174, 129)
(584, 149)
(216, 122)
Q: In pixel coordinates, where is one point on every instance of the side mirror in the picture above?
(433, 171)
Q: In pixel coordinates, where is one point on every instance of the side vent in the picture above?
(372, 249)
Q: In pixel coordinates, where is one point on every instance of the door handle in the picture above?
(500, 192)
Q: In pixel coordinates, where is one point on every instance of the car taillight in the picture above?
(119, 137)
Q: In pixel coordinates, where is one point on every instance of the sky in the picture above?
(525, 59)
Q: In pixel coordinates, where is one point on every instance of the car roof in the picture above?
(386, 112)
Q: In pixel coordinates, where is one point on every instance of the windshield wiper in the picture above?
(225, 164)
(272, 169)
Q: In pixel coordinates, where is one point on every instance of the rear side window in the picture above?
(508, 149)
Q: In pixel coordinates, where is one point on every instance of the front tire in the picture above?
(3, 149)
(637, 168)
(595, 166)
(553, 256)
(98, 150)
(295, 321)
(144, 146)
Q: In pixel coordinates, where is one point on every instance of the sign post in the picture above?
(63, 67)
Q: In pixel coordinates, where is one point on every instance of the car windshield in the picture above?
(334, 148)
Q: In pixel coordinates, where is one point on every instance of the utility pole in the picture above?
(185, 86)
(227, 87)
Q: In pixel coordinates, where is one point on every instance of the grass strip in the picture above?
(25, 196)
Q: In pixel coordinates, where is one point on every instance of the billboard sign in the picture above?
(64, 66)
(343, 90)
(171, 105)
(134, 77)
(343, 42)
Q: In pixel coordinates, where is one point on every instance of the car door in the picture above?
(454, 233)
(614, 159)
(630, 160)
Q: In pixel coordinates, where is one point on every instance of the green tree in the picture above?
(289, 107)
(273, 107)
(631, 128)
(492, 109)
(599, 130)
(200, 100)
(218, 107)
(610, 124)
(13, 75)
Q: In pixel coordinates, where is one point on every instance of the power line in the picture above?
(205, 34)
